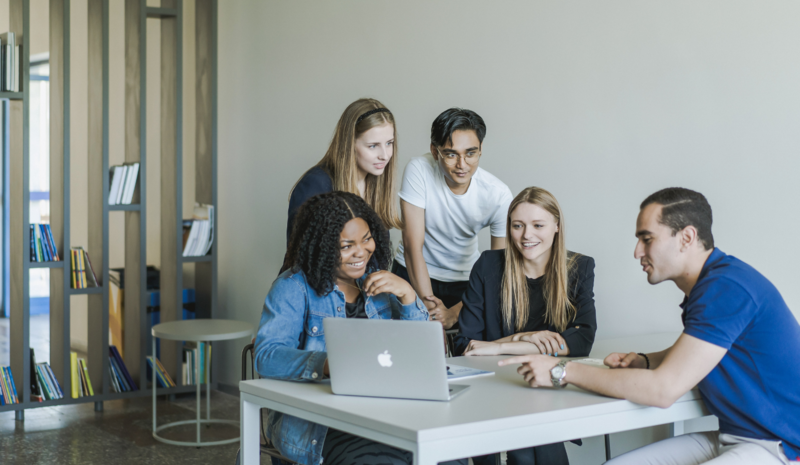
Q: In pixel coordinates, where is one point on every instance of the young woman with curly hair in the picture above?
(337, 260)
(360, 159)
(534, 297)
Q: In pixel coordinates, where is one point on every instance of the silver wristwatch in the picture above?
(558, 372)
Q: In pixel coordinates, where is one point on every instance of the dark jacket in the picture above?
(482, 318)
(315, 181)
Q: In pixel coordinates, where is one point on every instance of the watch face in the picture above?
(556, 372)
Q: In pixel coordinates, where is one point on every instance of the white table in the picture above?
(497, 413)
(202, 330)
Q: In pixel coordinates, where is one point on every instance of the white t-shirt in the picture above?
(452, 222)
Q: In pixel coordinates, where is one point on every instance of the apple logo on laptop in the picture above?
(385, 359)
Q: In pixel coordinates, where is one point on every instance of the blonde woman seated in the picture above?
(534, 297)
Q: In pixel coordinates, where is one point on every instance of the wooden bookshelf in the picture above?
(136, 322)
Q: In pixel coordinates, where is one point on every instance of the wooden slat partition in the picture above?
(205, 169)
(97, 174)
(59, 188)
(171, 174)
(135, 230)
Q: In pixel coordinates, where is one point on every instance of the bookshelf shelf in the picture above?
(11, 95)
(59, 264)
(203, 259)
(87, 291)
(136, 320)
(125, 208)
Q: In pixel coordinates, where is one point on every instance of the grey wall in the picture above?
(600, 102)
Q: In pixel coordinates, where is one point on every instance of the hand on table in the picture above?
(548, 342)
(535, 369)
(482, 348)
(629, 360)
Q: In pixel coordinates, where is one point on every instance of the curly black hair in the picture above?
(314, 244)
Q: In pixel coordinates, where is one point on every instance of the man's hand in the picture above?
(439, 312)
(548, 342)
(482, 348)
(630, 360)
(535, 369)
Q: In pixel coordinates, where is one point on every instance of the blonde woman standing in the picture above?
(360, 160)
(534, 297)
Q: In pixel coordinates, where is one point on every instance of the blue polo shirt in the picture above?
(755, 389)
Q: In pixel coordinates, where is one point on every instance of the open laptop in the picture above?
(388, 358)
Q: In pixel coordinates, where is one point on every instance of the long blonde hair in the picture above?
(340, 160)
(559, 310)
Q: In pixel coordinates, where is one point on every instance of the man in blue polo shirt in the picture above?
(739, 345)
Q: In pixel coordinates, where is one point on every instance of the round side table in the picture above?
(204, 330)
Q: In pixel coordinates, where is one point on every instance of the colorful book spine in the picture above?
(123, 369)
(53, 244)
(33, 245)
(73, 368)
(40, 375)
(87, 378)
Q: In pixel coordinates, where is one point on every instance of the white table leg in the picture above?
(199, 383)
(155, 379)
(250, 450)
(208, 381)
(677, 428)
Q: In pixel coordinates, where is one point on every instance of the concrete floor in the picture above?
(121, 434)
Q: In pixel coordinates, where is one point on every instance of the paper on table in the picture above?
(459, 372)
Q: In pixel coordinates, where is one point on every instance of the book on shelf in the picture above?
(8, 390)
(83, 275)
(164, 380)
(43, 246)
(122, 186)
(121, 377)
(194, 354)
(198, 232)
(36, 387)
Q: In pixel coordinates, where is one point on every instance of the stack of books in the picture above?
(44, 385)
(8, 392)
(81, 384)
(81, 268)
(123, 184)
(43, 246)
(198, 232)
(192, 355)
(121, 380)
(10, 70)
(164, 379)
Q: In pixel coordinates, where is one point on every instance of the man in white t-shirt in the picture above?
(446, 199)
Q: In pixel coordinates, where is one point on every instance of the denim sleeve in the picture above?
(281, 333)
(414, 311)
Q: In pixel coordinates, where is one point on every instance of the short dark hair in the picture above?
(314, 243)
(456, 119)
(681, 208)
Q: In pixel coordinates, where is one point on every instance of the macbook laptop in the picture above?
(388, 358)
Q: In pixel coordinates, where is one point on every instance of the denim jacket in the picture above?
(290, 345)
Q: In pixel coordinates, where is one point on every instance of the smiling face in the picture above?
(465, 145)
(533, 230)
(356, 246)
(374, 149)
(658, 250)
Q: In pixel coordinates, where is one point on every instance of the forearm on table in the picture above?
(518, 348)
(641, 386)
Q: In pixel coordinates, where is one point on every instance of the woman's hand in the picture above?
(440, 313)
(548, 342)
(384, 281)
(482, 348)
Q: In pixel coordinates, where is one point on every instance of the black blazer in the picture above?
(481, 317)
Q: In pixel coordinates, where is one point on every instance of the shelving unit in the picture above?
(135, 247)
